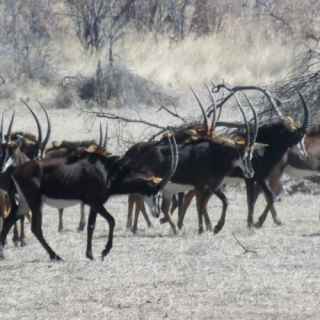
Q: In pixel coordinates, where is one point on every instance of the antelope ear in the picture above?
(7, 206)
(154, 179)
(91, 149)
(240, 141)
(193, 132)
(7, 211)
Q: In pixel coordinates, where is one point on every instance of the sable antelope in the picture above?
(203, 163)
(279, 136)
(204, 193)
(89, 176)
(137, 202)
(205, 159)
(64, 149)
(296, 165)
(21, 147)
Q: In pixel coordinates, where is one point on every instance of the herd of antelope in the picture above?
(193, 160)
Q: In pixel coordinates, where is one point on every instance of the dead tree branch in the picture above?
(245, 249)
(172, 113)
(128, 120)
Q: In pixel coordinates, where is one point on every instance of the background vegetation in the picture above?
(146, 52)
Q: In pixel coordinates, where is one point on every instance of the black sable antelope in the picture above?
(20, 147)
(203, 163)
(279, 136)
(205, 159)
(223, 163)
(90, 177)
(64, 149)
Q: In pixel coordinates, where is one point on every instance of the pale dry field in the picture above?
(155, 275)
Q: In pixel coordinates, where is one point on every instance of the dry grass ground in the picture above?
(155, 275)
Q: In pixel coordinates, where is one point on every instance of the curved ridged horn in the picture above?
(174, 160)
(1, 128)
(306, 121)
(105, 141)
(100, 135)
(48, 133)
(37, 122)
(266, 93)
(8, 136)
(255, 118)
(214, 116)
(248, 140)
(205, 120)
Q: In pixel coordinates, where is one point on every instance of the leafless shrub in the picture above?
(65, 98)
(8, 91)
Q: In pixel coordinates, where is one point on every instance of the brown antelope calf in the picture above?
(137, 202)
(5, 210)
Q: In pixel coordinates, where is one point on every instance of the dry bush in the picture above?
(64, 98)
(118, 85)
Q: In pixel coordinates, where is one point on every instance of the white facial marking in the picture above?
(8, 163)
(239, 164)
(261, 152)
(302, 148)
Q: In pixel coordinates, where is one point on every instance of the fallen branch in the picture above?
(174, 114)
(246, 250)
(138, 121)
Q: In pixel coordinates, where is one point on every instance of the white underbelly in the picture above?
(232, 180)
(173, 188)
(300, 173)
(59, 203)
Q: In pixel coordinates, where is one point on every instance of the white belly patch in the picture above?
(232, 180)
(173, 188)
(59, 203)
(300, 173)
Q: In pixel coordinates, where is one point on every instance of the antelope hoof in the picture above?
(104, 253)
(163, 220)
(174, 230)
(200, 231)
(217, 228)
(89, 255)
(278, 222)
(22, 243)
(180, 225)
(56, 258)
(258, 225)
(81, 227)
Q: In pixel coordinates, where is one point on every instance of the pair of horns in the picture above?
(250, 138)
(41, 143)
(274, 104)
(174, 152)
